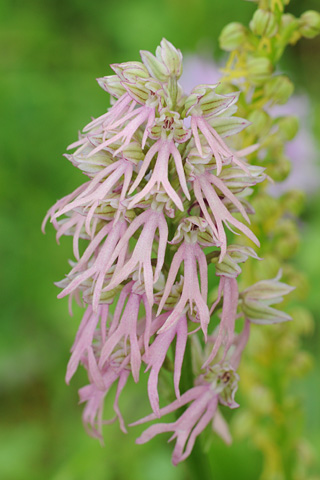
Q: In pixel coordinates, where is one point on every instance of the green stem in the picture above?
(197, 464)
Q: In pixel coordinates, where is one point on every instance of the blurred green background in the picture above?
(51, 53)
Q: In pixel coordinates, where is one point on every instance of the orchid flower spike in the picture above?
(164, 189)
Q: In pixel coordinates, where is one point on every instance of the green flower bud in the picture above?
(268, 267)
(303, 363)
(112, 85)
(256, 301)
(294, 201)
(155, 67)
(105, 297)
(259, 69)
(287, 241)
(289, 29)
(171, 57)
(280, 170)
(131, 71)
(303, 321)
(310, 24)
(265, 206)
(235, 254)
(264, 23)
(265, 404)
(260, 122)
(232, 36)
(192, 230)
(237, 180)
(288, 127)
(279, 89)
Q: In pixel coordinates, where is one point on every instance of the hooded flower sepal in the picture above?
(197, 165)
(256, 301)
(131, 71)
(229, 266)
(158, 200)
(166, 63)
(204, 101)
(195, 230)
(169, 126)
(236, 180)
(112, 85)
(89, 165)
(173, 297)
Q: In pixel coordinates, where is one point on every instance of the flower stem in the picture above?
(197, 464)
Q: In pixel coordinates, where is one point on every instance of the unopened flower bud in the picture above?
(260, 122)
(232, 36)
(155, 67)
(171, 57)
(303, 321)
(294, 201)
(279, 89)
(264, 23)
(290, 28)
(280, 171)
(303, 363)
(259, 69)
(287, 239)
(310, 24)
(192, 230)
(256, 301)
(112, 85)
(236, 254)
(288, 127)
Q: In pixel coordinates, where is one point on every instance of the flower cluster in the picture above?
(165, 188)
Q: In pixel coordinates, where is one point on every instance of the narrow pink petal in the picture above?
(121, 384)
(163, 239)
(194, 128)
(201, 425)
(94, 371)
(225, 190)
(182, 335)
(185, 398)
(175, 265)
(178, 162)
(145, 165)
(198, 194)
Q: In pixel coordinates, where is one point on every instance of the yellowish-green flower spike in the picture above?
(274, 356)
